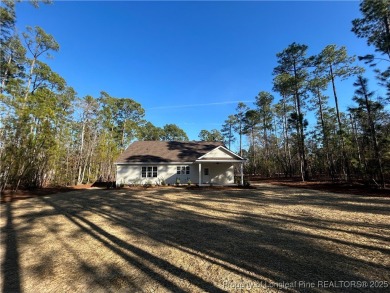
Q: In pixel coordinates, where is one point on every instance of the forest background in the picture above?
(49, 135)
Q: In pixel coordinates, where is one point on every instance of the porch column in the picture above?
(200, 174)
(242, 173)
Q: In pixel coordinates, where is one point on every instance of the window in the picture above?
(183, 170)
(206, 171)
(147, 172)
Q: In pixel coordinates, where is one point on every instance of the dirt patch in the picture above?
(10, 195)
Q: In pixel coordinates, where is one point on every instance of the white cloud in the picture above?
(198, 105)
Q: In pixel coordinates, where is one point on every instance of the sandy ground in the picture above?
(268, 239)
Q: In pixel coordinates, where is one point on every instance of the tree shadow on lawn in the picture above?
(116, 245)
(298, 196)
(10, 265)
(243, 243)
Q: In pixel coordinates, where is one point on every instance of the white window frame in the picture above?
(183, 170)
(149, 172)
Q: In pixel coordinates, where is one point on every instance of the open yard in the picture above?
(269, 239)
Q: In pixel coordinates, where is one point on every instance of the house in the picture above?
(172, 161)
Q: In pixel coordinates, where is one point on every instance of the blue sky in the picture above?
(188, 63)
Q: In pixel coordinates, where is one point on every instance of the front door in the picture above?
(206, 175)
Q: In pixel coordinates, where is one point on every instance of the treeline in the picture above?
(47, 134)
(342, 145)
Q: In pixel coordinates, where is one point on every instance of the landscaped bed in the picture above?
(193, 240)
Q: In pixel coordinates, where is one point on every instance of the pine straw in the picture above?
(183, 240)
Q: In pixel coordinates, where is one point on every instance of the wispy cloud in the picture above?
(198, 105)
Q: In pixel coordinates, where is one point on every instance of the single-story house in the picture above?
(198, 162)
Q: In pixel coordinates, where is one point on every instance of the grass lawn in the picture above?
(268, 239)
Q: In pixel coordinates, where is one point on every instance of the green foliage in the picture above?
(47, 134)
(264, 107)
(369, 116)
(238, 125)
(172, 132)
(292, 76)
(150, 132)
(38, 41)
(213, 135)
(50, 136)
(227, 130)
(374, 26)
(334, 62)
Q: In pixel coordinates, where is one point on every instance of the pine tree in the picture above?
(293, 65)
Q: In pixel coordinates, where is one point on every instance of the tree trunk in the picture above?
(81, 161)
(29, 79)
(354, 131)
(286, 139)
(345, 164)
(5, 74)
(324, 136)
(300, 133)
(374, 138)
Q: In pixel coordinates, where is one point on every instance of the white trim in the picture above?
(179, 168)
(147, 172)
(229, 151)
(219, 161)
(200, 174)
(242, 173)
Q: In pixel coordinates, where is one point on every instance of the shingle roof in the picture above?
(165, 151)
